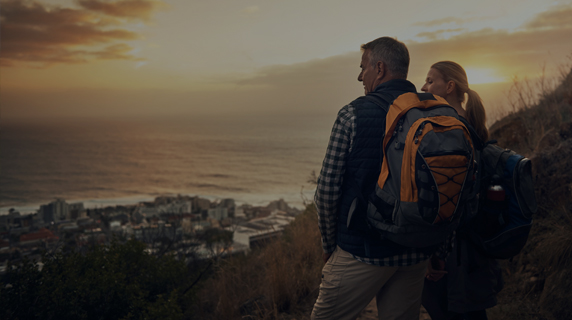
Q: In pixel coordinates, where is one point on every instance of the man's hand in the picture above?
(326, 256)
(435, 269)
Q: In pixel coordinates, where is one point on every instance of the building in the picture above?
(200, 204)
(175, 207)
(257, 232)
(76, 211)
(218, 213)
(54, 211)
(147, 209)
(229, 204)
(38, 237)
(93, 236)
(115, 226)
(10, 220)
(154, 232)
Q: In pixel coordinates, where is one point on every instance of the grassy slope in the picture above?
(538, 282)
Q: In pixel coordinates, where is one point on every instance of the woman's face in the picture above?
(435, 83)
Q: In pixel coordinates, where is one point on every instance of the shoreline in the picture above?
(91, 203)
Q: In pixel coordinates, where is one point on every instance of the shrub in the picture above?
(115, 281)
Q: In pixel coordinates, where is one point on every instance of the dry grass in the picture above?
(270, 282)
(538, 281)
(555, 249)
(537, 108)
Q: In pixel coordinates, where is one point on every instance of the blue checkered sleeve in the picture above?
(328, 190)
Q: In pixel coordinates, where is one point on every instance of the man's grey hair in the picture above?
(392, 53)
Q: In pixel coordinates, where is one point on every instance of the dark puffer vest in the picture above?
(362, 171)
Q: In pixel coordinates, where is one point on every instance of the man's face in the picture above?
(368, 74)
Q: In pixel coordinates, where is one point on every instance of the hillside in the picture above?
(538, 282)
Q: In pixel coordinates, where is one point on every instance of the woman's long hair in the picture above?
(476, 115)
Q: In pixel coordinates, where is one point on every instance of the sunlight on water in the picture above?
(252, 160)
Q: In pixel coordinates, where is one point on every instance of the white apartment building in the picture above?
(255, 232)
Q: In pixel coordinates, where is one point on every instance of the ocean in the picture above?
(105, 162)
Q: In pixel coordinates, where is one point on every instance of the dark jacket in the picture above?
(362, 171)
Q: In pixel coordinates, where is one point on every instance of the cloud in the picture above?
(322, 85)
(520, 52)
(319, 86)
(312, 72)
(434, 35)
(450, 20)
(134, 9)
(558, 17)
(119, 51)
(438, 22)
(509, 52)
(39, 35)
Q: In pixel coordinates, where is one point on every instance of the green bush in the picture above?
(115, 281)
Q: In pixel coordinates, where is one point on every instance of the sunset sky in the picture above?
(97, 58)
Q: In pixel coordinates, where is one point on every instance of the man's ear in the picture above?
(380, 68)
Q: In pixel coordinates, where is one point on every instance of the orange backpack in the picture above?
(428, 172)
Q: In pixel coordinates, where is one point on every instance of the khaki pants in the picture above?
(349, 285)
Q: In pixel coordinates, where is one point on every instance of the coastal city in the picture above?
(190, 227)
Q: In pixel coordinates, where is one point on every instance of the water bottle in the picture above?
(496, 205)
(495, 193)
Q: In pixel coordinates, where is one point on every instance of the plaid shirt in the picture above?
(328, 193)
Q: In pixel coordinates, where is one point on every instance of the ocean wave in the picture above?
(216, 175)
(218, 187)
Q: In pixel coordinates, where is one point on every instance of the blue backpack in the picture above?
(506, 205)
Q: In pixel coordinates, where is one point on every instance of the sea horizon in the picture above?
(103, 162)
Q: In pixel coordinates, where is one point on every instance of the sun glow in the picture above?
(480, 76)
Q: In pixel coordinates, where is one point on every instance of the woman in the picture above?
(472, 280)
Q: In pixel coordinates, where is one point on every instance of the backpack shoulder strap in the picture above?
(425, 96)
(477, 142)
(382, 101)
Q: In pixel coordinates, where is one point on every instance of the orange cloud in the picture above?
(135, 9)
(37, 35)
(512, 53)
(119, 51)
(321, 84)
(558, 17)
(434, 35)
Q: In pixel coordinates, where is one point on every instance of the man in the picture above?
(359, 265)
